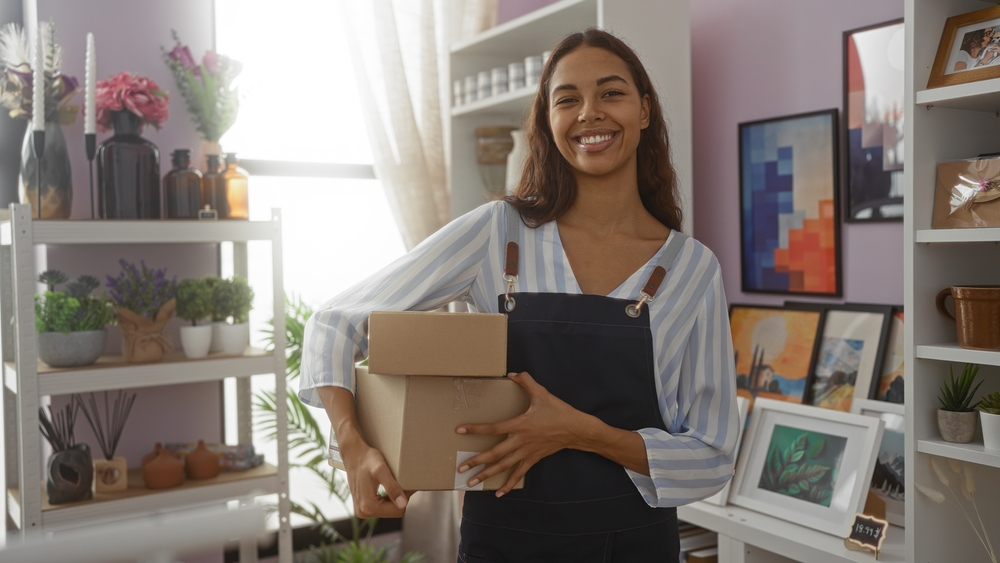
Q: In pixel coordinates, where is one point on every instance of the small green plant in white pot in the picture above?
(71, 324)
(957, 415)
(232, 300)
(194, 304)
(989, 416)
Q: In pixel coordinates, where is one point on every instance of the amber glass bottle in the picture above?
(213, 188)
(182, 187)
(236, 189)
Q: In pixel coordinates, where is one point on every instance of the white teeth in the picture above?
(595, 139)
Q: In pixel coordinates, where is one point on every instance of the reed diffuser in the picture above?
(69, 471)
(110, 472)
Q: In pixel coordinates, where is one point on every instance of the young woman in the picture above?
(617, 329)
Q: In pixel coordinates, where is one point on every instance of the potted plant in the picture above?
(989, 415)
(957, 415)
(111, 471)
(146, 302)
(71, 324)
(232, 300)
(194, 303)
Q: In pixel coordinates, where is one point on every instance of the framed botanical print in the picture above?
(807, 465)
(872, 134)
(849, 354)
(888, 478)
(789, 218)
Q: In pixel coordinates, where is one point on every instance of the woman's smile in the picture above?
(595, 141)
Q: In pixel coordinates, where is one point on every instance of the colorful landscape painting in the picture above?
(837, 373)
(773, 349)
(890, 384)
(802, 464)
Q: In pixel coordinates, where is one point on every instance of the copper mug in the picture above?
(977, 315)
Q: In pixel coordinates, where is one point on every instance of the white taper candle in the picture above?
(38, 84)
(90, 107)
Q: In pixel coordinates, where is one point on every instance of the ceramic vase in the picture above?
(163, 471)
(957, 427)
(196, 339)
(70, 475)
(128, 172)
(151, 455)
(234, 338)
(202, 463)
(142, 337)
(57, 193)
(991, 430)
(73, 349)
(110, 476)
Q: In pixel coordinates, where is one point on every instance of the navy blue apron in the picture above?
(596, 354)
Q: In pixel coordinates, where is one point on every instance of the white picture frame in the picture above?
(840, 448)
(890, 456)
(849, 354)
(721, 498)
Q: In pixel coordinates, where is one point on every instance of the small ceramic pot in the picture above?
(151, 455)
(957, 427)
(196, 340)
(991, 430)
(234, 338)
(110, 475)
(72, 349)
(216, 345)
(163, 471)
(202, 463)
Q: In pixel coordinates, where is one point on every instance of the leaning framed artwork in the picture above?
(849, 355)
(888, 479)
(872, 134)
(773, 347)
(789, 235)
(969, 49)
(891, 383)
(807, 465)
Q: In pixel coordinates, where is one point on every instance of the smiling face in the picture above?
(596, 113)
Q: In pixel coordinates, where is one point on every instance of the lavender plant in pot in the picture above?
(146, 302)
(194, 304)
(232, 301)
(957, 415)
(71, 324)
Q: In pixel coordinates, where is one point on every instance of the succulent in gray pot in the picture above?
(71, 323)
(957, 415)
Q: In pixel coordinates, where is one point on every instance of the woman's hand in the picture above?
(547, 427)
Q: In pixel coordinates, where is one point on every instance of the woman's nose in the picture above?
(590, 111)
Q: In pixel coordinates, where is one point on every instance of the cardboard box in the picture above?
(424, 343)
(427, 374)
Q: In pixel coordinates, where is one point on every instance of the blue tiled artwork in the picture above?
(767, 196)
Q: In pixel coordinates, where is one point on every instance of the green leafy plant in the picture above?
(194, 300)
(797, 472)
(956, 394)
(991, 403)
(73, 311)
(231, 299)
(307, 443)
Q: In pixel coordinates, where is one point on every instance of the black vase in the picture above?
(128, 172)
(70, 475)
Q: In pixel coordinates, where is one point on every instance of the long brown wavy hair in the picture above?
(547, 187)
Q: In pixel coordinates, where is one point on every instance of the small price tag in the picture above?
(868, 532)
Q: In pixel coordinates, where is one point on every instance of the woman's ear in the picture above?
(644, 115)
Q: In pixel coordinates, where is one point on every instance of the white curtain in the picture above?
(397, 48)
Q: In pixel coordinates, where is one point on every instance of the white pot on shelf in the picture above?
(234, 338)
(216, 345)
(991, 430)
(196, 340)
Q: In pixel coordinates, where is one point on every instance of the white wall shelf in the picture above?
(507, 103)
(976, 96)
(951, 352)
(147, 232)
(986, 234)
(972, 452)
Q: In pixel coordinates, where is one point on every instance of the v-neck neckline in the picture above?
(571, 277)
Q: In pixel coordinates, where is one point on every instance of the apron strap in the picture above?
(648, 291)
(511, 255)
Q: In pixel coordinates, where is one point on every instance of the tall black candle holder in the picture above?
(90, 140)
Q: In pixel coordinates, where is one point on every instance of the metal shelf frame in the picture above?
(26, 380)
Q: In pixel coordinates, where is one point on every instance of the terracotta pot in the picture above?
(163, 471)
(151, 455)
(957, 427)
(142, 337)
(202, 463)
(977, 315)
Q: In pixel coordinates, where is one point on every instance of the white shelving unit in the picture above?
(942, 124)
(26, 379)
(659, 32)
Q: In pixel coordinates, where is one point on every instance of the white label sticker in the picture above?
(461, 479)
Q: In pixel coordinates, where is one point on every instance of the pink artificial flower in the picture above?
(136, 94)
(211, 62)
(182, 55)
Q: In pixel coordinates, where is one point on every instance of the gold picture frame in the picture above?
(969, 50)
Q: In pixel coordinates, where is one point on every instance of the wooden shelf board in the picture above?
(952, 352)
(972, 453)
(533, 31)
(112, 372)
(985, 234)
(138, 500)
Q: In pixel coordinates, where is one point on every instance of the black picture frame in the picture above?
(789, 205)
(872, 123)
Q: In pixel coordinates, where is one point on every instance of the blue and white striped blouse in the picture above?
(462, 262)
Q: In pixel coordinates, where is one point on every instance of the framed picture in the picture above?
(849, 354)
(773, 347)
(721, 498)
(807, 465)
(887, 481)
(872, 133)
(968, 50)
(789, 235)
(890, 384)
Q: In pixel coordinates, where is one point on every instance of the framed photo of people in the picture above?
(789, 217)
(872, 134)
(969, 49)
(807, 465)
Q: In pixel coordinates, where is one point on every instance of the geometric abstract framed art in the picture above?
(789, 216)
